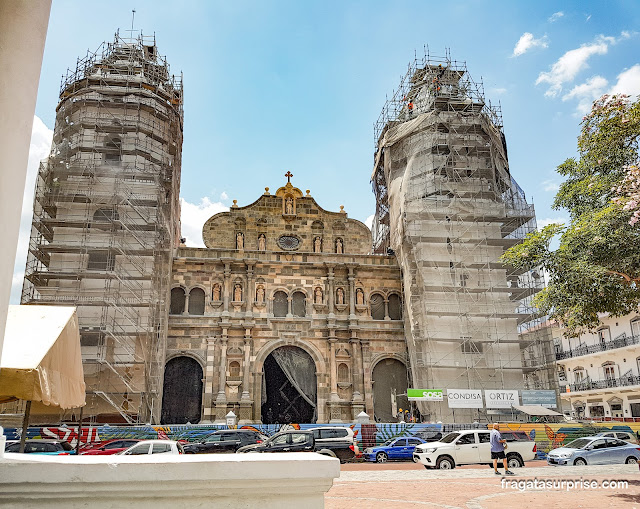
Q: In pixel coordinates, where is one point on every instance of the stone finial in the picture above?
(266, 191)
(235, 204)
(342, 211)
(308, 192)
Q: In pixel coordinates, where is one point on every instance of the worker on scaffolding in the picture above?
(410, 108)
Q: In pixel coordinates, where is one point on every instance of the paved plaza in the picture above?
(404, 485)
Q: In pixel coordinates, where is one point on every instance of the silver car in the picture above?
(594, 450)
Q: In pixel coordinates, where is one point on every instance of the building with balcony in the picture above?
(599, 372)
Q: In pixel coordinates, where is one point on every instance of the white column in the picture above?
(23, 30)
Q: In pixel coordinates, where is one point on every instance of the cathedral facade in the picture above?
(285, 316)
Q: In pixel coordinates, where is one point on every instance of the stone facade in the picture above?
(245, 315)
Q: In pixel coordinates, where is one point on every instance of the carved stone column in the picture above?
(357, 401)
(250, 297)
(185, 311)
(227, 288)
(352, 292)
(386, 309)
(246, 404)
(330, 296)
(334, 399)
(365, 360)
(209, 374)
(289, 313)
(221, 400)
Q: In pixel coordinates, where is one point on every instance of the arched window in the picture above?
(105, 215)
(299, 304)
(234, 369)
(280, 304)
(395, 307)
(377, 306)
(196, 301)
(177, 301)
(343, 372)
(113, 147)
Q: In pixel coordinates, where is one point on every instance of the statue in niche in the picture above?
(339, 246)
(262, 242)
(239, 241)
(339, 296)
(216, 293)
(288, 207)
(359, 297)
(260, 295)
(318, 295)
(237, 292)
(317, 245)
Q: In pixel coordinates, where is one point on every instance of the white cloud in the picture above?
(550, 220)
(528, 41)
(193, 217)
(586, 93)
(587, 18)
(628, 82)
(224, 196)
(369, 221)
(571, 63)
(567, 67)
(550, 186)
(39, 148)
(498, 90)
(555, 16)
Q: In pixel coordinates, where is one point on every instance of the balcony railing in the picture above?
(590, 385)
(619, 342)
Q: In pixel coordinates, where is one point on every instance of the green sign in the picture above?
(425, 395)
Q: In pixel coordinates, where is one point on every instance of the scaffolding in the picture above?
(106, 220)
(448, 207)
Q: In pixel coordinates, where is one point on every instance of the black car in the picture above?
(42, 446)
(284, 441)
(228, 440)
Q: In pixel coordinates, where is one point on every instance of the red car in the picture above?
(109, 446)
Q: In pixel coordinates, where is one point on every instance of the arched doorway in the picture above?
(289, 387)
(389, 390)
(182, 394)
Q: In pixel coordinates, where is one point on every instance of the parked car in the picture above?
(42, 446)
(301, 441)
(394, 449)
(108, 447)
(153, 447)
(326, 435)
(470, 446)
(228, 440)
(594, 450)
(620, 435)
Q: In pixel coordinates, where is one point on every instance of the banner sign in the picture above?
(425, 395)
(546, 399)
(464, 398)
(501, 398)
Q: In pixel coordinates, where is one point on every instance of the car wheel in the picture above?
(580, 462)
(445, 463)
(514, 461)
(381, 457)
(631, 460)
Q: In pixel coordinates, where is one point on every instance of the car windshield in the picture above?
(450, 438)
(578, 444)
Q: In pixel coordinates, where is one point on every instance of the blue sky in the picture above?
(277, 86)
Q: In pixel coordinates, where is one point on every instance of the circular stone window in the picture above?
(288, 242)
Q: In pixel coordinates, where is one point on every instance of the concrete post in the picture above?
(23, 30)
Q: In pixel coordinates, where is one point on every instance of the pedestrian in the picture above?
(497, 450)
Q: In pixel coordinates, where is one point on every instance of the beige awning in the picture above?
(536, 410)
(41, 359)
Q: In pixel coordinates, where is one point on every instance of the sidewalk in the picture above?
(479, 487)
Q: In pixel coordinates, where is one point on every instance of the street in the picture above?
(404, 485)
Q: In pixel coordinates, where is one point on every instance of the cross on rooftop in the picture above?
(288, 175)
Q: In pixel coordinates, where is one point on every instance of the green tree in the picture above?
(596, 268)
